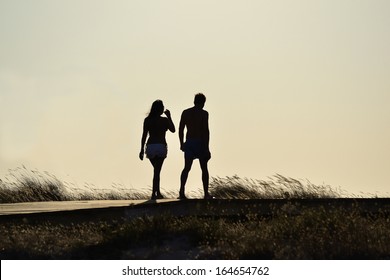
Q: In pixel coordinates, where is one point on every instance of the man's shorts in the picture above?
(196, 149)
(156, 150)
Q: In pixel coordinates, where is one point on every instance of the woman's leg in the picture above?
(157, 163)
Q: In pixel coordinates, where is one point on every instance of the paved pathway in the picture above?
(128, 209)
(54, 206)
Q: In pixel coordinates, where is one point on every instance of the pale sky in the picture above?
(300, 88)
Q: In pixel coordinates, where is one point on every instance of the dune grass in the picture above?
(22, 185)
(277, 187)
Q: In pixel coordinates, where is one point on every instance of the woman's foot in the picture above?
(182, 196)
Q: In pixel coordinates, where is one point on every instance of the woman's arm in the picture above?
(143, 141)
(171, 125)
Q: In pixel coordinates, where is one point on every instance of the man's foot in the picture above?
(209, 196)
(182, 196)
(159, 196)
(154, 197)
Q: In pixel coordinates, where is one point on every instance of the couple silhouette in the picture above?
(196, 146)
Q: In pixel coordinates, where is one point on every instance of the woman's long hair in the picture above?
(157, 109)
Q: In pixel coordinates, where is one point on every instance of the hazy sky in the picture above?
(300, 87)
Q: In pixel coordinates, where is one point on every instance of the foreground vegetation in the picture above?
(315, 233)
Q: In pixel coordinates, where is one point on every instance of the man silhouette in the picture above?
(196, 121)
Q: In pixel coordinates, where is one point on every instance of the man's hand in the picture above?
(141, 155)
(208, 155)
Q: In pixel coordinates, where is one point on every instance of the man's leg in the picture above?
(184, 175)
(205, 176)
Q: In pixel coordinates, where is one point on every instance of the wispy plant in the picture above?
(276, 187)
(23, 185)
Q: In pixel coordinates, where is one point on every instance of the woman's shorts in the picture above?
(156, 150)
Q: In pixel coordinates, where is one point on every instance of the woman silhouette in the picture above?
(156, 147)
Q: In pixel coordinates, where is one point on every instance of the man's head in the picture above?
(200, 99)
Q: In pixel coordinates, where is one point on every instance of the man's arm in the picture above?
(206, 132)
(181, 130)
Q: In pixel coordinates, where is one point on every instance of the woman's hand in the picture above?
(167, 113)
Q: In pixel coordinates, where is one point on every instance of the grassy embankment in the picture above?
(317, 233)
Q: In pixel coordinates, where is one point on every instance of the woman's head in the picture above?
(157, 109)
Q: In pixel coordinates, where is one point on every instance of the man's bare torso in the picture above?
(196, 121)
